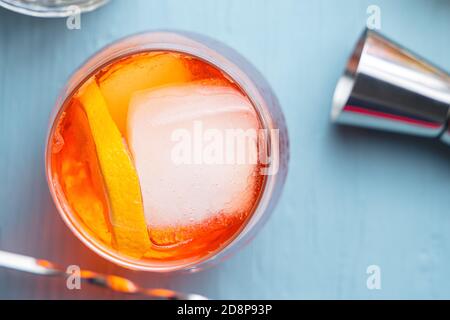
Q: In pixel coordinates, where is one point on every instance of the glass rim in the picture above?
(268, 195)
(55, 11)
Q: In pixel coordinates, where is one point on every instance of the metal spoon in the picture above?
(119, 284)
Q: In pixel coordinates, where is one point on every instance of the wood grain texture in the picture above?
(353, 197)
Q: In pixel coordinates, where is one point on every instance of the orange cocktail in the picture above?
(154, 158)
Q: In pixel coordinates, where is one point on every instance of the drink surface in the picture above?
(141, 156)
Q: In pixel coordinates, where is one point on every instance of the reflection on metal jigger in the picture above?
(387, 87)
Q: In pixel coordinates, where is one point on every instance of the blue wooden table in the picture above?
(353, 197)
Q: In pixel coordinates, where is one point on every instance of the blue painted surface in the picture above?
(353, 197)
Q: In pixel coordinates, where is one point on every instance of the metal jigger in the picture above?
(389, 88)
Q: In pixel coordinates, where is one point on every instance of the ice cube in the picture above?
(175, 135)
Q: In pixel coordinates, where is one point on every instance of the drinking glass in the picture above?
(244, 75)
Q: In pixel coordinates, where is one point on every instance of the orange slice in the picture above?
(136, 73)
(120, 177)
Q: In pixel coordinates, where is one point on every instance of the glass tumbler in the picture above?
(244, 77)
(51, 8)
